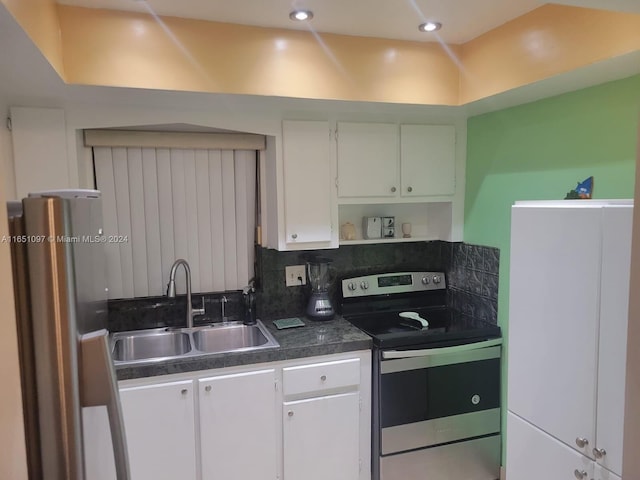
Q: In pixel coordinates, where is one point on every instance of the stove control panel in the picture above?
(392, 283)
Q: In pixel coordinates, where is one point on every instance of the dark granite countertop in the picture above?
(315, 338)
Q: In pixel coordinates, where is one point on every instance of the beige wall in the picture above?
(548, 41)
(631, 463)
(12, 447)
(103, 47)
(39, 18)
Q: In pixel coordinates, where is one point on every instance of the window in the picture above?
(161, 204)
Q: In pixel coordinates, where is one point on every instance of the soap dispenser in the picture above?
(249, 303)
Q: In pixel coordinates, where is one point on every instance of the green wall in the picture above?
(540, 151)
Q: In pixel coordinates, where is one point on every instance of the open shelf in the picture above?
(364, 241)
(429, 221)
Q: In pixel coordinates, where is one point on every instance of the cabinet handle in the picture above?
(582, 442)
(599, 452)
(294, 236)
(323, 378)
(207, 388)
(409, 189)
(290, 413)
(393, 189)
(579, 474)
(184, 391)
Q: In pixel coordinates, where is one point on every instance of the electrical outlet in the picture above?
(296, 275)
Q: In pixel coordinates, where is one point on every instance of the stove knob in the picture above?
(425, 280)
(351, 286)
(437, 279)
(364, 285)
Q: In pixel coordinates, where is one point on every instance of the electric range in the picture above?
(436, 379)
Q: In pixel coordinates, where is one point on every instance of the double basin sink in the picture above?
(169, 343)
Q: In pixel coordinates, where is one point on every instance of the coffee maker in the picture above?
(319, 276)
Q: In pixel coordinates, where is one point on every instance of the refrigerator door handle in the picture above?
(99, 387)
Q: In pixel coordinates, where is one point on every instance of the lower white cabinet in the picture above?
(238, 426)
(293, 420)
(321, 438)
(160, 429)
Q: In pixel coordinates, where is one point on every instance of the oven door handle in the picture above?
(440, 351)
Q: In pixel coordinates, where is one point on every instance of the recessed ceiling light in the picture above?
(301, 15)
(430, 26)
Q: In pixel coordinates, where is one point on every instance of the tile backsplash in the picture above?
(473, 281)
(472, 273)
(471, 270)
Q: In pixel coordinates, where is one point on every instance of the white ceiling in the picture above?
(462, 19)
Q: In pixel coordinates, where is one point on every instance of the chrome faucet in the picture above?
(171, 290)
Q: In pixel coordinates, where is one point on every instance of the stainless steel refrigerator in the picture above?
(59, 271)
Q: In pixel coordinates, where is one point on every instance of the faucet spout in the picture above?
(171, 290)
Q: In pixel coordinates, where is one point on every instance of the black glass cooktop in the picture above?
(446, 327)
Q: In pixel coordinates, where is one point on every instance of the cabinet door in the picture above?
(427, 160)
(604, 474)
(553, 319)
(614, 312)
(534, 455)
(160, 429)
(321, 438)
(238, 426)
(309, 190)
(367, 160)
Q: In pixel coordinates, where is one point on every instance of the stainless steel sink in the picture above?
(158, 343)
(143, 346)
(228, 338)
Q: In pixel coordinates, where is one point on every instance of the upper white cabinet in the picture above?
(397, 162)
(367, 169)
(568, 322)
(309, 188)
(367, 159)
(427, 160)
(39, 138)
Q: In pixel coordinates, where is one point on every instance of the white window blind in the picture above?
(170, 203)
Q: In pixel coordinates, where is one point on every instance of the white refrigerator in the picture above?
(60, 291)
(568, 311)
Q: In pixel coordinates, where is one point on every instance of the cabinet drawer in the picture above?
(321, 376)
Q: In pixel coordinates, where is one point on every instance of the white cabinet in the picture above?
(41, 161)
(406, 162)
(321, 438)
(427, 160)
(310, 202)
(234, 423)
(402, 171)
(604, 474)
(160, 430)
(568, 322)
(322, 421)
(238, 426)
(534, 455)
(367, 159)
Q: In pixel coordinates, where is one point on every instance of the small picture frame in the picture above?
(388, 227)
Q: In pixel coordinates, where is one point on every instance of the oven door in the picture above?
(439, 396)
